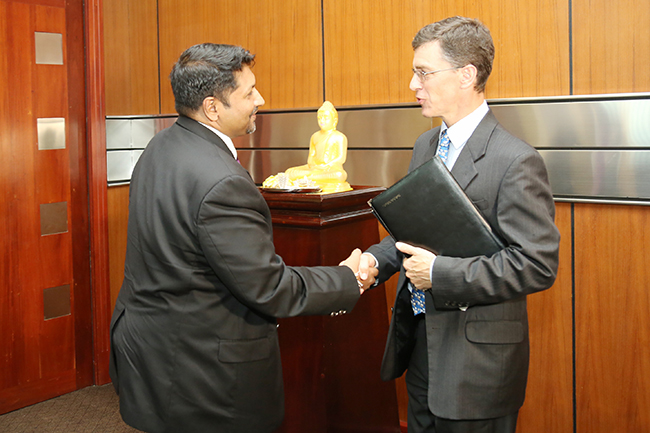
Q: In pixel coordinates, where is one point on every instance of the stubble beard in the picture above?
(252, 127)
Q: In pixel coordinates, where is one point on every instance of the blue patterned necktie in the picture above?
(417, 296)
(443, 147)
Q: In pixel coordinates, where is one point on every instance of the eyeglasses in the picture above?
(422, 76)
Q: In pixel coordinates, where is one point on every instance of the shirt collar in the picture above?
(225, 139)
(460, 131)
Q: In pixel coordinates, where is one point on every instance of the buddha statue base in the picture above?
(329, 188)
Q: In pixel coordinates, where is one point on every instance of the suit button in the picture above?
(333, 313)
(342, 312)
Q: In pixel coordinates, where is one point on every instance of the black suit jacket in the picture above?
(193, 334)
(478, 358)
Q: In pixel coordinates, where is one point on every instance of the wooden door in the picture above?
(45, 320)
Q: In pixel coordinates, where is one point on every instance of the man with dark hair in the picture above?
(194, 345)
(459, 327)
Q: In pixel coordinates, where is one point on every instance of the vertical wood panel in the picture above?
(131, 56)
(284, 35)
(611, 46)
(368, 52)
(21, 222)
(549, 395)
(52, 184)
(118, 216)
(612, 318)
(96, 181)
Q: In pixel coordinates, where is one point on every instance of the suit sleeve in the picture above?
(236, 238)
(525, 220)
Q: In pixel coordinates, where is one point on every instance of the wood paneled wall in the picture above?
(118, 216)
(368, 54)
(131, 57)
(549, 395)
(285, 36)
(612, 315)
(358, 53)
(611, 46)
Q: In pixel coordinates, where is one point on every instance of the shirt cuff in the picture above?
(431, 268)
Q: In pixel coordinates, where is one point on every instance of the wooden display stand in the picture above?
(331, 363)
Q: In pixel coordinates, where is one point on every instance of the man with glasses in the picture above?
(459, 327)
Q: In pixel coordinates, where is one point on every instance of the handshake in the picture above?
(417, 264)
(364, 268)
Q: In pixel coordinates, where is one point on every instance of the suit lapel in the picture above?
(465, 169)
(433, 146)
(203, 132)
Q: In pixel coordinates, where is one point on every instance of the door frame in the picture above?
(97, 189)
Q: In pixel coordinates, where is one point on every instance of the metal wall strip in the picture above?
(597, 148)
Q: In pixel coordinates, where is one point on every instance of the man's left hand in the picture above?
(418, 266)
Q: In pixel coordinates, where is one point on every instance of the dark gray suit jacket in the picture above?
(193, 334)
(478, 359)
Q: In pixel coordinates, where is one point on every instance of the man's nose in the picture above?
(259, 101)
(415, 83)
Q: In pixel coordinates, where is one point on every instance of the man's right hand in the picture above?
(367, 270)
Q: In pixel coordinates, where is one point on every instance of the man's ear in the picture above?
(468, 76)
(211, 107)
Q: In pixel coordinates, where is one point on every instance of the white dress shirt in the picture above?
(225, 139)
(460, 132)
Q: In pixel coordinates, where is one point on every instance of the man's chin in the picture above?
(251, 128)
(428, 113)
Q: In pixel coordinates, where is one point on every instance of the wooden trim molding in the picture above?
(98, 208)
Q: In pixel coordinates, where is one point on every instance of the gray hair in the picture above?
(463, 41)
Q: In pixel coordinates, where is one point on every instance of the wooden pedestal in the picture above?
(331, 364)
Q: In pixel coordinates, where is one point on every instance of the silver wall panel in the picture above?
(381, 167)
(579, 123)
(130, 133)
(596, 147)
(367, 127)
(118, 134)
(377, 167)
(120, 165)
(280, 130)
(384, 127)
(599, 174)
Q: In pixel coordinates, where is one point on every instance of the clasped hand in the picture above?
(417, 266)
(363, 266)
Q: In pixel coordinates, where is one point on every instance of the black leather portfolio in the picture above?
(427, 208)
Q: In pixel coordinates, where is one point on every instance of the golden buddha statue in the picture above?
(327, 153)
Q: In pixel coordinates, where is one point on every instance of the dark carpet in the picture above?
(89, 410)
